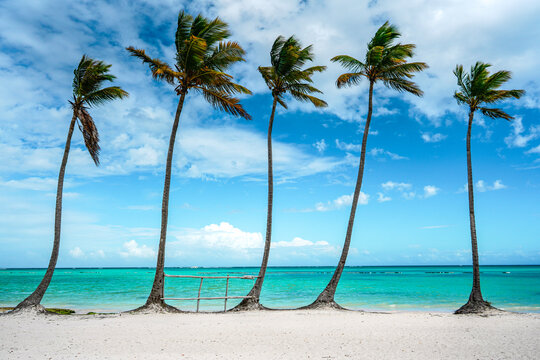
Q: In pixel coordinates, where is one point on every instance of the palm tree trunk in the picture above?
(252, 302)
(34, 299)
(476, 302)
(156, 294)
(326, 297)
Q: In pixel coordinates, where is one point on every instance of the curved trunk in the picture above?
(326, 297)
(476, 302)
(156, 294)
(253, 301)
(35, 298)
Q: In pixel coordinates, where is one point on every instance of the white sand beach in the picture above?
(271, 335)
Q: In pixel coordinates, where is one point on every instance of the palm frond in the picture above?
(300, 96)
(106, 94)
(224, 102)
(403, 85)
(159, 69)
(90, 134)
(182, 30)
(281, 102)
(349, 63)
(349, 79)
(479, 87)
(495, 113)
(225, 54)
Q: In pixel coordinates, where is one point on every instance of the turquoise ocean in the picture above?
(394, 288)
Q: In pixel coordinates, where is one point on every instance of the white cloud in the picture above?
(299, 242)
(381, 152)
(390, 185)
(222, 235)
(340, 202)
(320, 145)
(433, 138)
(382, 198)
(227, 151)
(33, 183)
(430, 190)
(481, 186)
(347, 147)
(76, 252)
(518, 136)
(434, 227)
(132, 249)
(534, 150)
(140, 207)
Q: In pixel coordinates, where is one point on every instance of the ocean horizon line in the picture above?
(256, 266)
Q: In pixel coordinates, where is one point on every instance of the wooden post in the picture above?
(199, 296)
(226, 292)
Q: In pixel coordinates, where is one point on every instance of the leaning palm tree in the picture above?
(87, 92)
(284, 76)
(202, 56)
(476, 90)
(386, 62)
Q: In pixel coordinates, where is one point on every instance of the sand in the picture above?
(321, 334)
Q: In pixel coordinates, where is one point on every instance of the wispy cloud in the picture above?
(432, 138)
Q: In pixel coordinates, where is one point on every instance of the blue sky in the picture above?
(413, 209)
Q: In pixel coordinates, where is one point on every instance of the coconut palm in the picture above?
(284, 76)
(476, 90)
(202, 56)
(386, 62)
(89, 78)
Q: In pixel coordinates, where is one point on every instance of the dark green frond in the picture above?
(385, 61)
(224, 55)
(103, 95)
(182, 31)
(308, 98)
(403, 85)
(224, 102)
(495, 113)
(281, 102)
(349, 63)
(286, 74)
(479, 87)
(90, 134)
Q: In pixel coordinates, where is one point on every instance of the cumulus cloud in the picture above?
(383, 198)
(482, 186)
(432, 138)
(133, 249)
(340, 202)
(320, 145)
(430, 190)
(534, 150)
(298, 242)
(378, 152)
(519, 137)
(347, 147)
(76, 252)
(222, 235)
(391, 185)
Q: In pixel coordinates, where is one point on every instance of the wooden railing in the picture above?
(199, 298)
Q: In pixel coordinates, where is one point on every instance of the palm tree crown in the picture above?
(87, 92)
(479, 88)
(202, 56)
(286, 75)
(385, 61)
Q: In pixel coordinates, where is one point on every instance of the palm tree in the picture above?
(477, 89)
(202, 56)
(284, 76)
(87, 92)
(385, 62)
